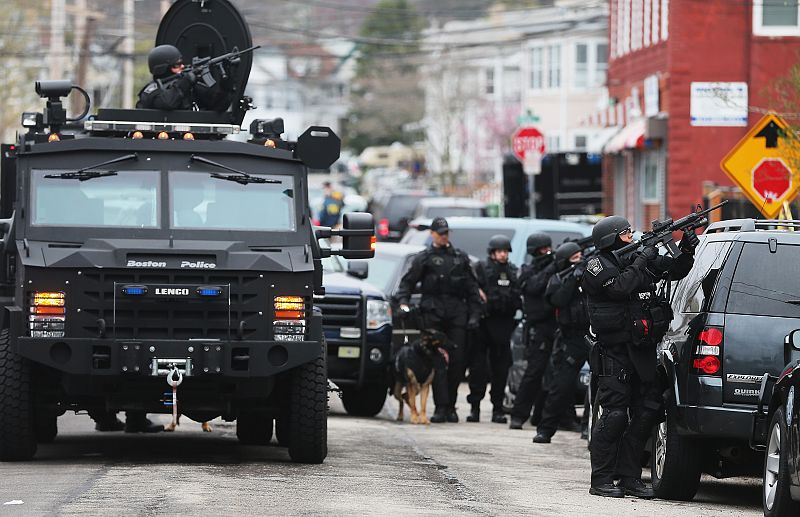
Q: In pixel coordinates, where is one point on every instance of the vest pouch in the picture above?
(661, 314)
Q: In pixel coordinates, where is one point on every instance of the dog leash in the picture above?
(172, 381)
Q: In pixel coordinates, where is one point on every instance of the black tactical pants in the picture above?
(538, 355)
(570, 352)
(450, 374)
(492, 343)
(630, 409)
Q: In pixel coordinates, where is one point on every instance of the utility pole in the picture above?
(57, 54)
(127, 50)
(83, 64)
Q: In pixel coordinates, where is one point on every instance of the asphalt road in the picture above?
(374, 466)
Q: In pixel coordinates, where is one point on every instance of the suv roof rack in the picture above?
(752, 225)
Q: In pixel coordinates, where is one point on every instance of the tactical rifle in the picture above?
(663, 228)
(201, 67)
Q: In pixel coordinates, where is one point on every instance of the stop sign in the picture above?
(772, 179)
(527, 139)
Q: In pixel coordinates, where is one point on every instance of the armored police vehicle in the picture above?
(143, 248)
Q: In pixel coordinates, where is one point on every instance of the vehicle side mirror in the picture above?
(358, 236)
(358, 269)
(791, 346)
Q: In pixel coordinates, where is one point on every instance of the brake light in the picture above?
(709, 364)
(708, 350)
(383, 227)
(47, 314)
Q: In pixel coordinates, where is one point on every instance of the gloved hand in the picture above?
(186, 81)
(473, 322)
(689, 241)
(647, 254)
(580, 268)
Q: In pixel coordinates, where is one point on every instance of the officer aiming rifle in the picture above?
(663, 229)
(202, 68)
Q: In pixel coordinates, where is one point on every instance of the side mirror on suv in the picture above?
(791, 346)
(358, 269)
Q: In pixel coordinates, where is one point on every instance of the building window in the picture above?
(581, 65)
(537, 68)
(636, 24)
(646, 22)
(580, 142)
(649, 177)
(554, 66)
(511, 83)
(552, 144)
(664, 20)
(656, 23)
(626, 26)
(602, 64)
(620, 24)
(776, 18)
(489, 85)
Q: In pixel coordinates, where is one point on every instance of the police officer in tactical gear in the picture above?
(450, 303)
(540, 324)
(629, 317)
(570, 349)
(166, 61)
(498, 280)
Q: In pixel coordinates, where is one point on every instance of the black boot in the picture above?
(516, 423)
(452, 416)
(439, 416)
(498, 417)
(636, 488)
(607, 490)
(474, 413)
(584, 432)
(107, 421)
(541, 438)
(136, 422)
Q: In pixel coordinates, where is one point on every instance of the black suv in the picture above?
(732, 313)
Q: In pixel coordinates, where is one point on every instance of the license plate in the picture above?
(349, 352)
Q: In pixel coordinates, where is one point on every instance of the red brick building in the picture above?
(686, 79)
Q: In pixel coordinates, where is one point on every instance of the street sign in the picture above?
(527, 139)
(758, 164)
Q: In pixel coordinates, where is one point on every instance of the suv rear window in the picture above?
(475, 240)
(765, 283)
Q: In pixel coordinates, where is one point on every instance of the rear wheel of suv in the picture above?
(254, 428)
(17, 426)
(365, 401)
(776, 499)
(308, 411)
(676, 461)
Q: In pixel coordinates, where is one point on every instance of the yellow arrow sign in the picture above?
(759, 165)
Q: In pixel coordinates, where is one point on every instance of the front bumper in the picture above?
(143, 357)
(369, 366)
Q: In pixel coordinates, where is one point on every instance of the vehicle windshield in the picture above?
(400, 206)
(383, 270)
(199, 200)
(129, 199)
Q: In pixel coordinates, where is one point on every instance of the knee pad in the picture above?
(643, 422)
(612, 424)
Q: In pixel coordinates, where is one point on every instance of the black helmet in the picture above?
(564, 252)
(499, 242)
(605, 232)
(538, 240)
(161, 59)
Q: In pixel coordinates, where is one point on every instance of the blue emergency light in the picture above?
(134, 290)
(209, 291)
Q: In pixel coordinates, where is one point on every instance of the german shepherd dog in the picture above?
(414, 368)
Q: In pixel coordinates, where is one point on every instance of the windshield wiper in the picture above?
(87, 173)
(242, 179)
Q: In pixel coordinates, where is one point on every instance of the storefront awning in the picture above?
(629, 137)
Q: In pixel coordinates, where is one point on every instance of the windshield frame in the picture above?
(163, 162)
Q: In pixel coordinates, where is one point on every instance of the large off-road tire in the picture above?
(46, 427)
(676, 463)
(17, 430)
(366, 401)
(775, 496)
(308, 411)
(253, 428)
